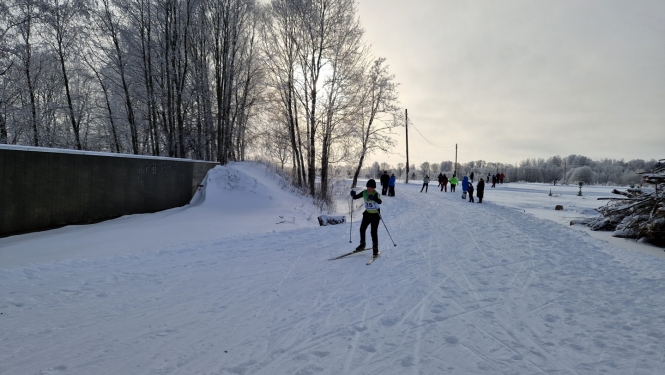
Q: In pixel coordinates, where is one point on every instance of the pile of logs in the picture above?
(639, 213)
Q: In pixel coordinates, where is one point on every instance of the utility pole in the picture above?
(455, 169)
(564, 172)
(406, 123)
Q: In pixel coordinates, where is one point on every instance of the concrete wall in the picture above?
(46, 188)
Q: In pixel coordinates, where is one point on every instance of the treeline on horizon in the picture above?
(571, 169)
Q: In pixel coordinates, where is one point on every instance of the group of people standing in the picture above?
(388, 184)
(467, 188)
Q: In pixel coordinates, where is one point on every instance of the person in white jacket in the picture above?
(425, 184)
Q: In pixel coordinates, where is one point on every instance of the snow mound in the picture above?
(236, 199)
(247, 193)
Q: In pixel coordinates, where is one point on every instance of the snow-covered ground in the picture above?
(238, 282)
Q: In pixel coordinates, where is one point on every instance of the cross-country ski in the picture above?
(373, 258)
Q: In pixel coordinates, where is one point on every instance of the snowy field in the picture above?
(239, 282)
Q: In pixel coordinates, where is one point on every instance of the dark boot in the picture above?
(375, 250)
(360, 247)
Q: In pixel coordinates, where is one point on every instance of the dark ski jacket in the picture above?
(480, 189)
(444, 180)
(384, 179)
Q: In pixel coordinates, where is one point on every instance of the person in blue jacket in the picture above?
(465, 186)
(371, 216)
(391, 186)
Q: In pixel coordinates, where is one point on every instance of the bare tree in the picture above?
(281, 49)
(24, 17)
(64, 20)
(346, 54)
(377, 112)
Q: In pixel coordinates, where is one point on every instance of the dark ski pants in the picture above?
(391, 191)
(471, 197)
(425, 186)
(372, 219)
(384, 190)
(444, 187)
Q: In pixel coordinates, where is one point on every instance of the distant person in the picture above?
(440, 178)
(384, 182)
(453, 182)
(444, 183)
(465, 186)
(501, 177)
(471, 176)
(480, 190)
(488, 177)
(413, 175)
(425, 184)
(493, 181)
(391, 186)
(470, 189)
(555, 181)
(371, 215)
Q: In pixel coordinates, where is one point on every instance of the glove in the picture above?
(370, 197)
(353, 192)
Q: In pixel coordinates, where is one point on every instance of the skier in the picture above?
(391, 186)
(444, 183)
(384, 183)
(425, 184)
(371, 215)
(453, 182)
(465, 186)
(471, 176)
(480, 190)
(470, 188)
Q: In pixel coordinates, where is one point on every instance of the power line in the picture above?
(428, 141)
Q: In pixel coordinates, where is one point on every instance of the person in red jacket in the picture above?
(444, 183)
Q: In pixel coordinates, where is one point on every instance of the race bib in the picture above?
(371, 205)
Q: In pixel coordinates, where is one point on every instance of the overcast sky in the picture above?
(509, 80)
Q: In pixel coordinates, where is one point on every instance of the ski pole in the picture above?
(351, 214)
(384, 225)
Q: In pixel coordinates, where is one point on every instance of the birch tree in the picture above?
(376, 112)
(281, 50)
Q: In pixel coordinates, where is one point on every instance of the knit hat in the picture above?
(371, 183)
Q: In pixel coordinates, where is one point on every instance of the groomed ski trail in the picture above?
(470, 289)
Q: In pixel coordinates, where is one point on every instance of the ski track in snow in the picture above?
(470, 289)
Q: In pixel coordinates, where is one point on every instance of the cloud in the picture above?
(522, 79)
